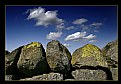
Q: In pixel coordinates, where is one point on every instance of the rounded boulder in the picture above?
(88, 55)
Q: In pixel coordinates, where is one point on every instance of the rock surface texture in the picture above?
(58, 57)
(110, 52)
(88, 55)
(32, 59)
(47, 77)
(11, 60)
(88, 63)
(87, 74)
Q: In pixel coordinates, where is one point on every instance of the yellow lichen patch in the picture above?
(89, 49)
(33, 44)
(88, 54)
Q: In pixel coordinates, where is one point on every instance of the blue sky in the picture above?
(73, 26)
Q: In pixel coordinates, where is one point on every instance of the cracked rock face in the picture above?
(88, 55)
(58, 57)
(50, 76)
(32, 60)
(87, 74)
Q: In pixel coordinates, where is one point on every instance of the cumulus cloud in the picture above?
(44, 18)
(66, 45)
(75, 36)
(54, 35)
(80, 21)
(91, 41)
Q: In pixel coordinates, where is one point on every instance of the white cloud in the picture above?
(91, 36)
(80, 21)
(54, 35)
(75, 36)
(66, 45)
(70, 28)
(44, 18)
(96, 24)
(93, 41)
(80, 36)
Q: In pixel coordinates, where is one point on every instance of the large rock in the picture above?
(87, 74)
(32, 60)
(46, 77)
(88, 55)
(58, 57)
(110, 52)
(11, 60)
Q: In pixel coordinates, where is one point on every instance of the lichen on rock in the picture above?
(32, 60)
(58, 57)
(88, 55)
(110, 53)
(33, 44)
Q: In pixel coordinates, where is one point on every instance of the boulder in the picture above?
(32, 60)
(87, 74)
(88, 55)
(58, 57)
(46, 77)
(110, 52)
(11, 60)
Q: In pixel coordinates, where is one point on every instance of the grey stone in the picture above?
(110, 52)
(47, 77)
(11, 60)
(58, 57)
(86, 74)
(32, 60)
